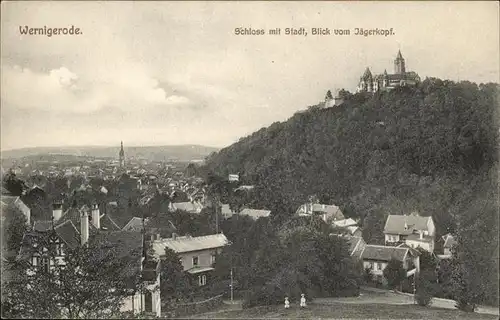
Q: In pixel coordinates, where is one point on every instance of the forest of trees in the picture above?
(431, 149)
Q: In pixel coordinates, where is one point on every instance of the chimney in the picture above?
(174, 235)
(96, 216)
(421, 234)
(56, 210)
(84, 227)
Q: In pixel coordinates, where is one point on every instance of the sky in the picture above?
(172, 73)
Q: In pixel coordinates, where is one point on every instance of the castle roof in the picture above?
(367, 74)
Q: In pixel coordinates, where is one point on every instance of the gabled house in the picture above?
(197, 254)
(414, 230)
(377, 257)
(349, 225)
(326, 212)
(449, 242)
(13, 202)
(60, 234)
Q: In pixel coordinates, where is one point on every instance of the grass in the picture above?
(346, 311)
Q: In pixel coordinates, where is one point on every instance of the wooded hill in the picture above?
(431, 149)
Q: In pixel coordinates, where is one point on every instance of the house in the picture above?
(349, 225)
(233, 177)
(255, 213)
(448, 242)
(45, 246)
(191, 207)
(326, 212)
(226, 211)
(197, 254)
(12, 202)
(414, 230)
(376, 258)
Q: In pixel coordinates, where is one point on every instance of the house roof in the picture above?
(345, 223)
(449, 241)
(395, 224)
(68, 233)
(189, 244)
(135, 224)
(255, 213)
(124, 245)
(186, 206)
(42, 225)
(355, 245)
(383, 253)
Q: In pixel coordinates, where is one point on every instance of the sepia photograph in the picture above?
(250, 159)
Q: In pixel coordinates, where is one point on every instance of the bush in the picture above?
(426, 287)
(265, 296)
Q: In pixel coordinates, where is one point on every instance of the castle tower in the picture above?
(122, 156)
(399, 64)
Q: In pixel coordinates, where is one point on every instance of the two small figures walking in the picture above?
(302, 302)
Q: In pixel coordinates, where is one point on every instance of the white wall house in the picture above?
(413, 230)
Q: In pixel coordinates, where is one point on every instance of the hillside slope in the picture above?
(389, 151)
(157, 153)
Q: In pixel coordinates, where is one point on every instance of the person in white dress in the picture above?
(302, 301)
(287, 303)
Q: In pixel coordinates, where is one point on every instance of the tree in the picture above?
(426, 287)
(16, 224)
(368, 275)
(91, 283)
(427, 260)
(394, 273)
(13, 184)
(174, 282)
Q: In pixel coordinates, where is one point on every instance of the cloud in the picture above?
(61, 89)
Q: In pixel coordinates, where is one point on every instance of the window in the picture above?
(35, 261)
(202, 280)
(148, 300)
(46, 264)
(195, 261)
(379, 266)
(370, 265)
(212, 258)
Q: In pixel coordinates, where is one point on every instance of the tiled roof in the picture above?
(135, 224)
(345, 223)
(108, 224)
(186, 206)
(42, 225)
(355, 245)
(68, 233)
(255, 213)
(383, 253)
(189, 244)
(395, 224)
(125, 245)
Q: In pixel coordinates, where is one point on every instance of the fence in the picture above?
(182, 310)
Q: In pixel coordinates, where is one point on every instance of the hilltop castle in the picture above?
(385, 81)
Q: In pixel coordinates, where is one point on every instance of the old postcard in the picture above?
(237, 160)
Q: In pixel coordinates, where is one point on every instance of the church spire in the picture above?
(122, 156)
